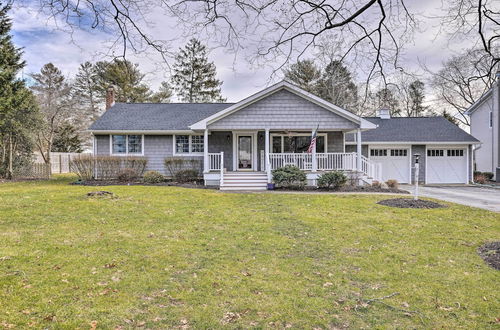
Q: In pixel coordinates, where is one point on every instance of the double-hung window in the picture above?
(126, 144)
(298, 143)
(188, 144)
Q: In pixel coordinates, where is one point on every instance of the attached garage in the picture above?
(396, 162)
(446, 165)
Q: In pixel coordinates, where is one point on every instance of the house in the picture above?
(485, 125)
(238, 144)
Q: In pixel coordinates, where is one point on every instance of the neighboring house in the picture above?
(238, 145)
(485, 125)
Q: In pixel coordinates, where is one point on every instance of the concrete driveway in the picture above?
(482, 197)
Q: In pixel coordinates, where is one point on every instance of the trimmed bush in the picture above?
(127, 175)
(188, 175)
(289, 176)
(106, 167)
(332, 180)
(376, 184)
(176, 164)
(480, 178)
(153, 177)
(392, 183)
(488, 175)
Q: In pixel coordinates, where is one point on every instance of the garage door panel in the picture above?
(395, 163)
(447, 165)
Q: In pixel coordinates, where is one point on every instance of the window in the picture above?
(455, 152)
(119, 144)
(435, 153)
(126, 144)
(189, 144)
(378, 152)
(399, 152)
(296, 143)
(134, 144)
(491, 119)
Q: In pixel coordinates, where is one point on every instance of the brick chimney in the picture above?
(110, 97)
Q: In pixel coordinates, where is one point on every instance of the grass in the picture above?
(163, 257)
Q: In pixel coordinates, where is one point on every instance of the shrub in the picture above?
(488, 175)
(392, 183)
(127, 175)
(176, 164)
(376, 184)
(335, 180)
(480, 178)
(106, 167)
(188, 175)
(289, 176)
(153, 177)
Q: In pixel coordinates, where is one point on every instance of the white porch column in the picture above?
(205, 151)
(314, 159)
(359, 153)
(266, 156)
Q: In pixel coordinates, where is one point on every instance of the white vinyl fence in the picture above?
(59, 161)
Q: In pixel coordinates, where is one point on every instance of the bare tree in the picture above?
(462, 81)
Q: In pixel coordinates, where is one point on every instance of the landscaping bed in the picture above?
(96, 183)
(410, 203)
(490, 252)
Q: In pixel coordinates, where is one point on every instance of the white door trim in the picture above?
(254, 150)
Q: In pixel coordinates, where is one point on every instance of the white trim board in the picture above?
(202, 124)
(413, 142)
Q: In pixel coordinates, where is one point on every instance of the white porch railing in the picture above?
(215, 161)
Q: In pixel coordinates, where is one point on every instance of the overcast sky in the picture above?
(44, 43)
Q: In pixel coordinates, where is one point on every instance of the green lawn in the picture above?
(159, 257)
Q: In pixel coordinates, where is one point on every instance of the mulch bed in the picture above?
(407, 203)
(490, 252)
(100, 193)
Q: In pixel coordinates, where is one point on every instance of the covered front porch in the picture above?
(261, 151)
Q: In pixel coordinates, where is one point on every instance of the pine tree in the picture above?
(416, 97)
(67, 139)
(56, 105)
(194, 78)
(85, 89)
(163, 94)
(304, 74)
(18, 112)
(127, 79)
(337, 86)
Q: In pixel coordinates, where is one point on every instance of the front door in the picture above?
(245, 153)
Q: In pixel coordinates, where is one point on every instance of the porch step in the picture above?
(244, 181)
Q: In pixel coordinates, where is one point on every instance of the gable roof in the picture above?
(155, 116)
(202, 124)
(414, 129)
(480, 101)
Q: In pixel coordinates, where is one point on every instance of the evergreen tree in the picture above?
(163, 94)
(85, 88)
(386, 98)
(194, 78)
(67, 139)
(415, 99)
(56, 105)
(18, 112)
(337, 86)
(304, 74)
(127, 79)
(452, 119)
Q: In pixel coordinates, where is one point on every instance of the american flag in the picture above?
(313, 141)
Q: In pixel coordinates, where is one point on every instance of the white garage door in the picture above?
(395, 163)
(447, 165)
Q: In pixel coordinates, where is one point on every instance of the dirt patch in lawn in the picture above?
(490, 252)
(407, 203)
(101, 193)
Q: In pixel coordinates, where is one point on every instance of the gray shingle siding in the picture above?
(418, 149)
(217, 142)
(102, 144)
(353, 148)
(283, 110)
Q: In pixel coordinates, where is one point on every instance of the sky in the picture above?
(46, 41)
